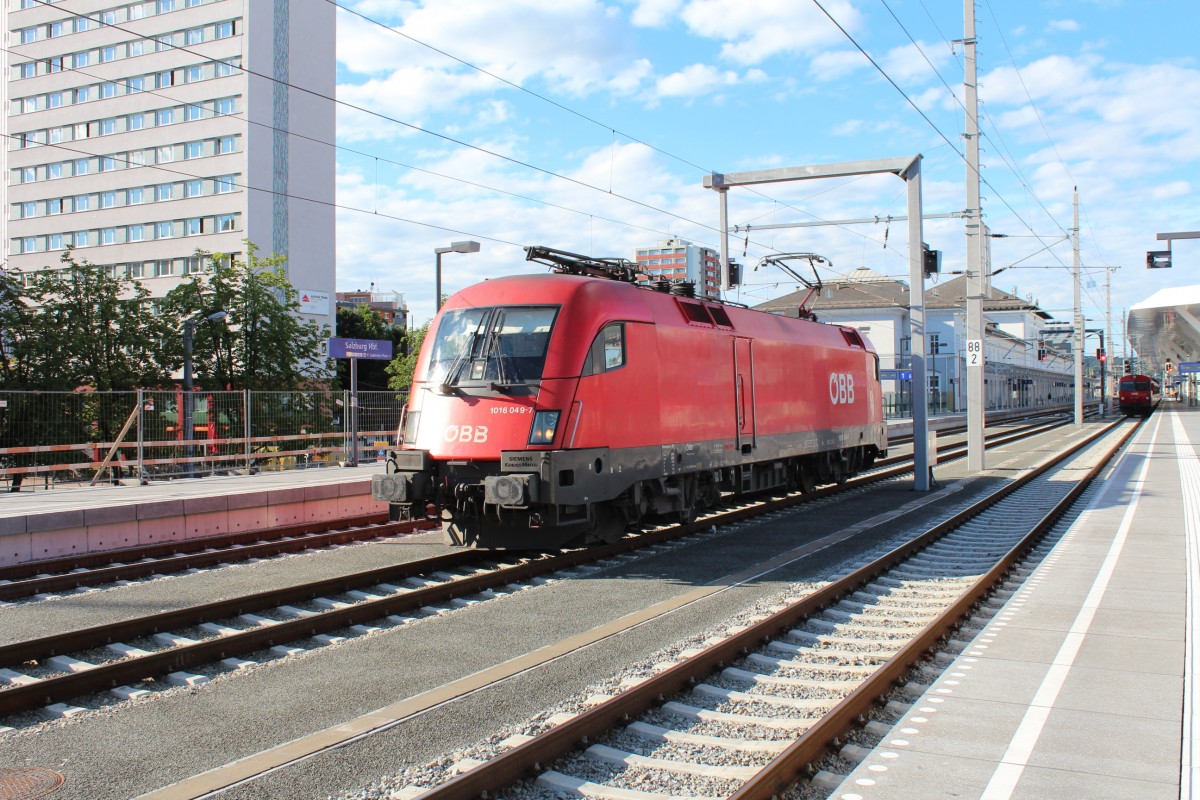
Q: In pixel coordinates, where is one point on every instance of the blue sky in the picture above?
(589, 126)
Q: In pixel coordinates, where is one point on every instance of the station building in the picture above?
(1026, 362)
(141, 132)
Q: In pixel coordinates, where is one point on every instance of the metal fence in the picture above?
(49, 438)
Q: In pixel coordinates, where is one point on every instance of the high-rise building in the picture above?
(139, 132)
(677, 260)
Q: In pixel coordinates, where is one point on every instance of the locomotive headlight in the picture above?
(545, 425)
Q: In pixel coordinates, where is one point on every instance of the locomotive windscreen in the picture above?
(500, 344)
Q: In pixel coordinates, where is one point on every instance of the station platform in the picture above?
(1082, 686)
(67, 521)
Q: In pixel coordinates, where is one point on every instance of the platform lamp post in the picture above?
(185, 418)
(455, 247)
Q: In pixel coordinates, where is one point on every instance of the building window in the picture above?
(164, 116)
(164, 80)
(54, 64)
(134, 197)
(136, 233)
(194, 36)
(83, 94)
(82, 202)
(225, 106)
(54, 206)
(193, 150)
(192, 227)
(107, 163)
(224, 69)
(108, 199)
(29, 244)
(82, 166)
(223, 30)
(166, 6)
(57, 29)
(29, 70)
(225, 223)
(108, 236)
(108, 17)
(192, 265)
(193, 112)
(193, 188)
(28, 174)
(54, 171)
(137, 269)
(163, 230)
(82, 24)
(53, 100)
(29, 35)
(164, 268)
(54, 241)
(108, 54)
(164, 43)
(193, 74)
(163, 192)
(108, 90)
(81, 60)
(166, 154)
(224, 184)
(226, 144)
(136, 84)
(28, 210)
(108, 127)
(137, 48)
(136, 158)
(81, 238)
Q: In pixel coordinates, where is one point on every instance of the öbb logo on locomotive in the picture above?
(571, 407)
(841, 388)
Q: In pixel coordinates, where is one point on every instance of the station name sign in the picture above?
(361, 348)
(895, 374)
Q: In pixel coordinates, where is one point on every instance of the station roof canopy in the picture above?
(1166, 327)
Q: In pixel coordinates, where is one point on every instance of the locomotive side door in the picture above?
(743, 388)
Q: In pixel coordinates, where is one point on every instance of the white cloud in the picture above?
(753, 32)
(1062, 25)
(694, 80)
(654, 13)
(1167, 191)
(834, 64)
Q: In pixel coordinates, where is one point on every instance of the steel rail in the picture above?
(107, 676)
(512, 765)
(169, 548)
(356, 529)
(790, 765)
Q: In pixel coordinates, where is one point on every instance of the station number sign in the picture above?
(974, 352)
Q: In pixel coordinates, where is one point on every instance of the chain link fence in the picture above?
(52, 438)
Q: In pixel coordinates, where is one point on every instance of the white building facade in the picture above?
(678, 260)
(138, 133)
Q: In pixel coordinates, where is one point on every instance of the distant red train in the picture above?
(570, 407)
(1138, 394)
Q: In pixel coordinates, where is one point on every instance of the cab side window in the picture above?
(607, 352)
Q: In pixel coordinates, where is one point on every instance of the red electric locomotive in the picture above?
(569, 407)
(1138, 394)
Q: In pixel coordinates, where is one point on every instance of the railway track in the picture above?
(47, 578)
(188, 646)
(753, 711)
(59, 575)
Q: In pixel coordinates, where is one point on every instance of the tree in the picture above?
(81, 326)
(362, 322)
(262, 343)
(401, 367)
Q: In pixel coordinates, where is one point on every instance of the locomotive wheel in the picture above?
(610, 525)
(687, 510)
(805, 478)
